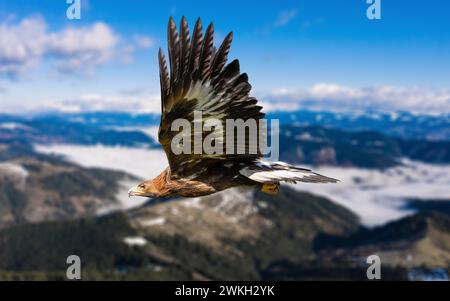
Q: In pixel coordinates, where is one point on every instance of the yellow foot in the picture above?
(270, 188)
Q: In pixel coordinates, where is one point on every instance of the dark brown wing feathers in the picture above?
(200, 79)
(220, 58)
(196, 44)
(174, 52)
(206, 53)
(185, 46)
(164, 79)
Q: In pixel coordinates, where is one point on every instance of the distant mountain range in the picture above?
(369, 149)
(58, 130)
(299, 142)
(398, 124)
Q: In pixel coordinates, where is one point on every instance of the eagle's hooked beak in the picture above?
(136, 191)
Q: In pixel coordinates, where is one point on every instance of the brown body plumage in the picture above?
(165, 185)
(199, 80)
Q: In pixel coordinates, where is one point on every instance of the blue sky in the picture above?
(292, 50)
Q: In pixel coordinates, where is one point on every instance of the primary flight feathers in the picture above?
(200, 80)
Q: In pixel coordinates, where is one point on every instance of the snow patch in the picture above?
(153, 222)
(13, 126)
(236, 203)
(192, 203)
(15, 172)
(135, 241)
(13, 168)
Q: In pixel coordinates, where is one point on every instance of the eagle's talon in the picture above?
(270, 188)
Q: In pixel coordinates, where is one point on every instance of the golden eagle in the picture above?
(200, 80)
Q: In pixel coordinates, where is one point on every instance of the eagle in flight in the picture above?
(199, 79)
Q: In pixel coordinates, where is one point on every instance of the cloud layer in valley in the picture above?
(377, 196)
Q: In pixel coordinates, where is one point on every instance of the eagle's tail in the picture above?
(273, 173)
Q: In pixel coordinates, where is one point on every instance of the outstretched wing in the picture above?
(198, 80)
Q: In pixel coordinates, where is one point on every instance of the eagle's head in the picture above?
(145, 189)
(154, 188)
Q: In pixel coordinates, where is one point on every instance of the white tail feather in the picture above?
(266, 172)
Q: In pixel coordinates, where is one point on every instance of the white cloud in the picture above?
(79, 48)
(143, 42)
(22, 45)
(382, 98)
(149, 103)
(74, 49)
(92, 102)
(329, 97)
(3, 89)
(285, 17)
